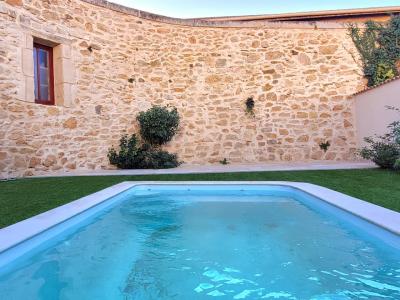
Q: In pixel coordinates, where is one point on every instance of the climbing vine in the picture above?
(379, 48)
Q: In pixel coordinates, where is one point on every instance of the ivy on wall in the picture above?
(379, 47)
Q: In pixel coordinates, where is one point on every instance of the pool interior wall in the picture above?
(224, 197)
(56, 233)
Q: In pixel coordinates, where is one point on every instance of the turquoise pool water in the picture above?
(207, 242)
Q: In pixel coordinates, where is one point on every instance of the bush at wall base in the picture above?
(384, 150)
(132, 155)
(157, 126)
(397, 165)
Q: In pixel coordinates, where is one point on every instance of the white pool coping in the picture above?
(15, 234)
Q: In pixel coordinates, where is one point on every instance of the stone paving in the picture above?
(193, 169)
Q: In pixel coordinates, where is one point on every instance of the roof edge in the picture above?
(310, 14)
(196, 22)
(376, 86)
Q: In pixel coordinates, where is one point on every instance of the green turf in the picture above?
(23, 198)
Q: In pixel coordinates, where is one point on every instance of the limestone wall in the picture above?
(301, 77)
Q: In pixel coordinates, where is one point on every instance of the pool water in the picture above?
(211, 242)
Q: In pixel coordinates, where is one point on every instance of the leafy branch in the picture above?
(379, 48)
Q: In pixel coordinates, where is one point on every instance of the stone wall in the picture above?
(301, 76)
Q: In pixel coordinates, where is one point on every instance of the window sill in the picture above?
(44, 102)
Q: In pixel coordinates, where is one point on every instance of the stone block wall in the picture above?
(301, 77)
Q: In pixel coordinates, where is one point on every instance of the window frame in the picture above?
(49, 50)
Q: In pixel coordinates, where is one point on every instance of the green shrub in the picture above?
(397, 164)
(157, 159)
(395, 126)
(127, 157)
(158, 125)
(131, 155)
(384, 150)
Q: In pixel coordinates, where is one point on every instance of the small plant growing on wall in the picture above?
(325, 146)
(157, 126)
(250, 103)
(224, 161)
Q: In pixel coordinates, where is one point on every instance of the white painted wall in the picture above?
(372, 116)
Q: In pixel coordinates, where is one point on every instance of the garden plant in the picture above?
(384, 150)
(157, 126)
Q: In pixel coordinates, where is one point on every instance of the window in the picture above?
(43, 74)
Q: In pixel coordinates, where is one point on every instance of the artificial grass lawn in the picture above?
(23, 198)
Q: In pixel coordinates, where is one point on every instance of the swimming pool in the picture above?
(184, 241)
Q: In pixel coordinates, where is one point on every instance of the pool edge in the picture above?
(15, 234)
